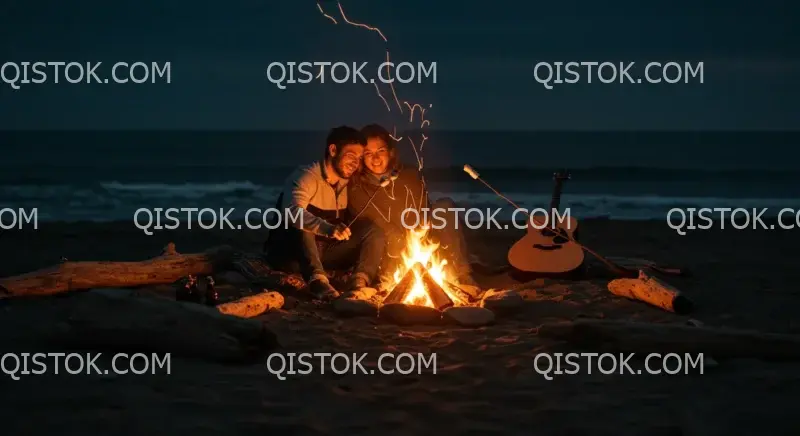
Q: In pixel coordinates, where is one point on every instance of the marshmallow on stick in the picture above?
(472, 173)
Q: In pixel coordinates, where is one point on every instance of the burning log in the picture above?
(403, 287)
(438, 296)
(653, 291)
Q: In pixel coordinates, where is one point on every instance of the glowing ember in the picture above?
(419, 250)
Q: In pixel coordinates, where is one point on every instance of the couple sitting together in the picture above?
(329, 193)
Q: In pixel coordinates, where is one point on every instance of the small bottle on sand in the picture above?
(212, 296)
(189, 291)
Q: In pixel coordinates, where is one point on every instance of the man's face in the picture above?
(376, 156)
(348, 160)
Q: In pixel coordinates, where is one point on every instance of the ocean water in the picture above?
(105, 176)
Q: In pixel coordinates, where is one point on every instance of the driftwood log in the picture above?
(643, 338)
(118, 321)
(72, 276)
(253, 305)
(651, 290)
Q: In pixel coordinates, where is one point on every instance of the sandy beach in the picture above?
(485, 381)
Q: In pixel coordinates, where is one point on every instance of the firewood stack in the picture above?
(438, 296)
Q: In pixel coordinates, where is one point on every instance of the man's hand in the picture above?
(341, 232)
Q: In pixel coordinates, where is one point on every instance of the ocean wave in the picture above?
(616, 206)
(184, 190)
(110, 201)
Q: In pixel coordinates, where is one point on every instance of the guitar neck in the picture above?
(555, 202)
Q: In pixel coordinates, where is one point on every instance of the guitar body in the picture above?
(543, 250)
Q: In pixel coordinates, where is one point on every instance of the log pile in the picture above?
(400, 292)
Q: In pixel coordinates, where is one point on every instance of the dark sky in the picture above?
(485, 52)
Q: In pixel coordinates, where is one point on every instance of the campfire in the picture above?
(424, 278)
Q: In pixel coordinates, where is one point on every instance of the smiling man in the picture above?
(407, 191)
(320, 237)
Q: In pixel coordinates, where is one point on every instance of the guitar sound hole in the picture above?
(560, 240)
(548, 233)
(547, 247)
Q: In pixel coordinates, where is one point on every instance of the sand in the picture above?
(485, 381)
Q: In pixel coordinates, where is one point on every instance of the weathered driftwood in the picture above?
(252, 305)
(643, 338)
(438, 296)
(403, 287)
(71, 276)
(653, 291)
(116, 321)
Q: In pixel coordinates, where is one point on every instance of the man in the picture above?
(407, 191)
(317, 195)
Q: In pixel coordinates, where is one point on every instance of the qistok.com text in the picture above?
(738, 218)
(290, 73)
(207, 218)
(16, 365)
(292, 364)
(558, 364)
(18, 219)
(557, 73)
(24, 73)
(476, 218)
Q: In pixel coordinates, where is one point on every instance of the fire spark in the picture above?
(421, 251)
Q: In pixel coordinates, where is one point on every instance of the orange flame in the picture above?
(420, 250)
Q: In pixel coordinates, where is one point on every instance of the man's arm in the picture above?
(301, 189)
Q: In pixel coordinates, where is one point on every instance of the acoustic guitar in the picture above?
(543, 250)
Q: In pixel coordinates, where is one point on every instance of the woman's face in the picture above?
(376, 156)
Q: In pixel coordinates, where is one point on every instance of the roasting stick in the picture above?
(614, 267)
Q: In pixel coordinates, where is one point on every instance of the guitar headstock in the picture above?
(562, 175)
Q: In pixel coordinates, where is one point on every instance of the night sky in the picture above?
(485, 53)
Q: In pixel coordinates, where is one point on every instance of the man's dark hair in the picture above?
(377, 131)
(343, 135)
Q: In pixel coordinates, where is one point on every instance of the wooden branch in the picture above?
(253, 305)
(461, 293)
(72, 276)
(403, 287)
(643, 338)
(653, 291)
(438, 296)
(115, 321)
